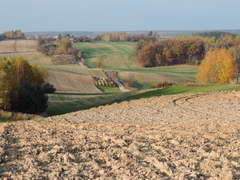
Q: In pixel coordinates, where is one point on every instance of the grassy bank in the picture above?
(181, 89)
(65, 103)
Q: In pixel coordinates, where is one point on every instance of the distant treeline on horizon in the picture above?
(162, 34)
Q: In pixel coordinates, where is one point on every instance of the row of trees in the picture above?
(170, 52)
(18, 34)
(119, 37)
(123, 36)
(214, 40)
(213, 34)
(23, 87)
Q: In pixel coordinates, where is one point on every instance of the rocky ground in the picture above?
(170, 137)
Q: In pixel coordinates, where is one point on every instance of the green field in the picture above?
(116, 56)
(150, 77)
(112, 54)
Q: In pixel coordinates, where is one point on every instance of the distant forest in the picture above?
(163, 34)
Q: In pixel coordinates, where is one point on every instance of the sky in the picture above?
(118, 15)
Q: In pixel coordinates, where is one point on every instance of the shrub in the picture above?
(22, 86)
(219, 66)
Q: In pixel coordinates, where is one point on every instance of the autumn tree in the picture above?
(64, 46)
(219, 66)
(124, 36)
(22, 86)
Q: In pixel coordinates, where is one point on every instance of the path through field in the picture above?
(195, 136)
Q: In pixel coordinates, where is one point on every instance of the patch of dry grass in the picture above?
(12, 46)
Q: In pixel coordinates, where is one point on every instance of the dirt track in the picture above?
(170, 137)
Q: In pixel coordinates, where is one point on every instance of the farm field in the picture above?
(117, 53)
(120, 90)
(152, 76)
(12, 46)
(186, 136)
(112, 54)
(185, 131)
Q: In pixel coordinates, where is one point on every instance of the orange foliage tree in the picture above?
(219, 66)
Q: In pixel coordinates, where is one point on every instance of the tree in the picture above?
(64, 46)
(22, 86)
(219, 66)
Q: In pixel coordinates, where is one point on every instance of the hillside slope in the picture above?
(69, 82)
(194, 136)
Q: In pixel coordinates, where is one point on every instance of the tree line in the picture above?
(13, 35)
(185, 49)
(170, 52)
(119, 37)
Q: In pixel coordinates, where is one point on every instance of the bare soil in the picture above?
(195, 136)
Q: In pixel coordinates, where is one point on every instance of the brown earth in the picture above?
(170, 137)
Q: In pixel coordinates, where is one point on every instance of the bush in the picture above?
(22, 86)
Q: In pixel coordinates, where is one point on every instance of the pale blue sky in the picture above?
(116, 15)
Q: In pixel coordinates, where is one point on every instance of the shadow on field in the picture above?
(81, 94)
